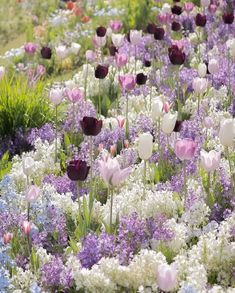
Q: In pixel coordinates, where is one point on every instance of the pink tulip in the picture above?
(126, 143)
(208, 122)
(7, 237)
(166, 107)
(115, 25)
(26, 227)
(185, 149)
(121, 60)
(164, 18)
(99, 42)
(74, 95)
(30, 48)
(32, 193)
(121, 121)
(188, 6)
(212, 8)
(90, 56)
(111, 173)
(127, 81)
(166, 277)
(210, 160)
(113, 149)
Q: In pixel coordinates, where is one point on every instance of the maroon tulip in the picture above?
(147, 63)
(91, 126)
(77, 170)
(151, 28)
(159, 33)
(200, 20)
(176, 56)
(175, 26)
(128, 37)
(46, 52)
(113, 50)
(141, 78)
(101, 31)
(101, 71)
(228, 17)
(176, 0)
(178, 126)
(176, 10)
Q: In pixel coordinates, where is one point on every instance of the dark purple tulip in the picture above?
(176, 56)
(147, 63)
(200, 20)
(77, 170)
(128, 37)
(176, 10)
(101, 31)
(175, 26)
(228, 17)
(113, 50)
(151, 28)
(141, 78)
(101, 71)
(176, 0)
(91, 126)
(178, 126)
(46, 52)
(159, 33)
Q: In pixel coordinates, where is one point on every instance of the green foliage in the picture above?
(22, 106)
(5, 165)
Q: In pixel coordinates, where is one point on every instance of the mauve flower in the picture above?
(210, 160)
(118, 40)
(141, 78)
(176, 10)
(175, 26)
(176, 56)
(188, 6)
(46, 52)
(56, 96)
(159, 33)
(101, 71)
(200, 20)
(121, 59)
(135, 37)
(32, 193)
(185, 149)
(77, 170)
(7, 237)
(101, 31)
(91, 126)
(115, 25)
(26, 227)
(90, 56)
(205, 3)
(74, 95)
(61, 51)
(99, 42)
(166, 277)
(30, 48)
(151, 28)
(111, 172)
(127, 81)
(213, 66)
(228, 17)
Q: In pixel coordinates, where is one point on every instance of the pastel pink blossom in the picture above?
(26, 227)
(210, 160)
(188, 6)
(121, 121)
(30, 48)
(90, 56)
(111, 172)
(7, 237)
(115, 25)
(121, 60)
(164, 18)
(185, 149)
(166, 107)
(99, 42)
(74, 95)
(166, 277)
(32, 193)
(127, 81)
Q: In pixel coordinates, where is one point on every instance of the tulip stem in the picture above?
(135, 58)
(127, 121)
(99, 102)
(230, 169)
(110, 190)
(185, 177)
(229, 80)
(56, 131)
(144, 177)
(210, 195)
(28, 211)
(85, 86)
(198, 104)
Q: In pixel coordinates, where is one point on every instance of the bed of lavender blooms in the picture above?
(141, 197)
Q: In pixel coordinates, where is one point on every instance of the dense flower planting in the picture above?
(121, 178)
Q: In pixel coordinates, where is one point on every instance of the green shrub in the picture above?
(22, 106)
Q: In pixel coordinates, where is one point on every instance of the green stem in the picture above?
(99, 105)
(230, 169)
(127, 121)
(111, 208)
(56, 131)
(91, 175)
(85, 87)
(210, 194)
(185, 177)
(135, 59)
(144, 177)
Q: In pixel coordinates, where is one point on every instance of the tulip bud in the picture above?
(176, 10)
(213, 66)
(77, 170)
(135, 37)
(121, 60)
(74, 95)
(205, 3)
(166, 277)
(127, 81)
(168, 122)
(113, 149)
(99, 42)
(208, 122)
(115, 25)
(30, 48)
(175, 26)
(200, 20)
(101, 31)
(101, 71)
(56, 96)
(188, 6)
(176, 56)
(28, 165)
(159, 33)
(210, 160)
(121, 121)
(7, 237)
(141, 78)
(126, 143)
(75, 48)
(202, 70)
(226, 132)
(46, 52)
(157, 109)
(200, 85)
(32, 193)
(26, 227)
(145, 146)
(185, 149)
(118, 40)
(91, 126)
(228, 17)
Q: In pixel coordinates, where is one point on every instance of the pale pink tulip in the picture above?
(30, 48)
(210, 160)
(166, 277)
(74, 95)
(188, 6)
(115, 25)
(121, 121)
(185, 149)
(121, 60)
(7, 237)
(26, 227)
(127, 81)
(32, 193)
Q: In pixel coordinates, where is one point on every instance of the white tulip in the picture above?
(205, 3)
(213, 66)
(200, 85)
(56, 96)
(157, 109)
(135, 37)
(2, 72)
(145, 146)
(166, 277)
(168, 122)
(75, 48)
(28, 165)
(231, 47)
(166, 8)
(118, 40)
(61, 52)
(202, 70)
(226, 132)
(100, 41)
(210, 160)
